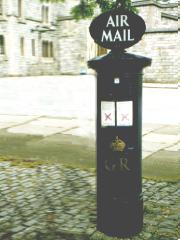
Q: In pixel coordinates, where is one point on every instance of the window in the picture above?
(45, 14)
(47, 49)
(2, 45)
(22, 46)
(33, 45)
(1, 7)
(20, 8)
(51, 49)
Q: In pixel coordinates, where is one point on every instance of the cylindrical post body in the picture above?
(119, 124)
(119, 198)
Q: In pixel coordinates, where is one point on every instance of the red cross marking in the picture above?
(107, 116)
(124, 117)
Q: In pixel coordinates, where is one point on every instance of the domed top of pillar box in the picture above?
(119, 62)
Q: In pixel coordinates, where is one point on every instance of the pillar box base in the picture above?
(127, 219)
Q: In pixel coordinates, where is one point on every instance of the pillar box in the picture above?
(119, 124)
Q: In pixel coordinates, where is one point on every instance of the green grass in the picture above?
(31, 151)
(162, 166)
(76, 152)
(20, 162)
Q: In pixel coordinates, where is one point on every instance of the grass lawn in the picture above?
(77, 152)
(71, 151)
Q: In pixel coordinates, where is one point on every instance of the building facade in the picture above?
(27, 41)
(36, 35)
(160, 41)
(41, 38)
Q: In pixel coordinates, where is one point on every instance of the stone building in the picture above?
(36, 35)
(160, 42)
(28, 38)
(40, 38)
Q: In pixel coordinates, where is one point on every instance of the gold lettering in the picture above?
(120, 165)
(124, 164)
(107, 166)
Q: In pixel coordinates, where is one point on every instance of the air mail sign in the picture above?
(117, 29)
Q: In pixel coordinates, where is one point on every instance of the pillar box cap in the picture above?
(119, 62)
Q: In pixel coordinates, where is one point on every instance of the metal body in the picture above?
(119, 120)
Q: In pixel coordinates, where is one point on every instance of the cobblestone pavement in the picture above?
(57, 203)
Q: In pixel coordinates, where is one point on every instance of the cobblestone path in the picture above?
(56, 203)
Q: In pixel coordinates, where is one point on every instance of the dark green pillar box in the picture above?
(119, 129)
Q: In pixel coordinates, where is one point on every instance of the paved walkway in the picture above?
(155, 136)
(57, 203)
(161, 142)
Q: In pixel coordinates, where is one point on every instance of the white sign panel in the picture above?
(107, 114)
(125, 113)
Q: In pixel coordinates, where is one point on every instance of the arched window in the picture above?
(2, 45)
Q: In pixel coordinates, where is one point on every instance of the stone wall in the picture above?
(160, 41)
(162, 48)
(73, 46)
